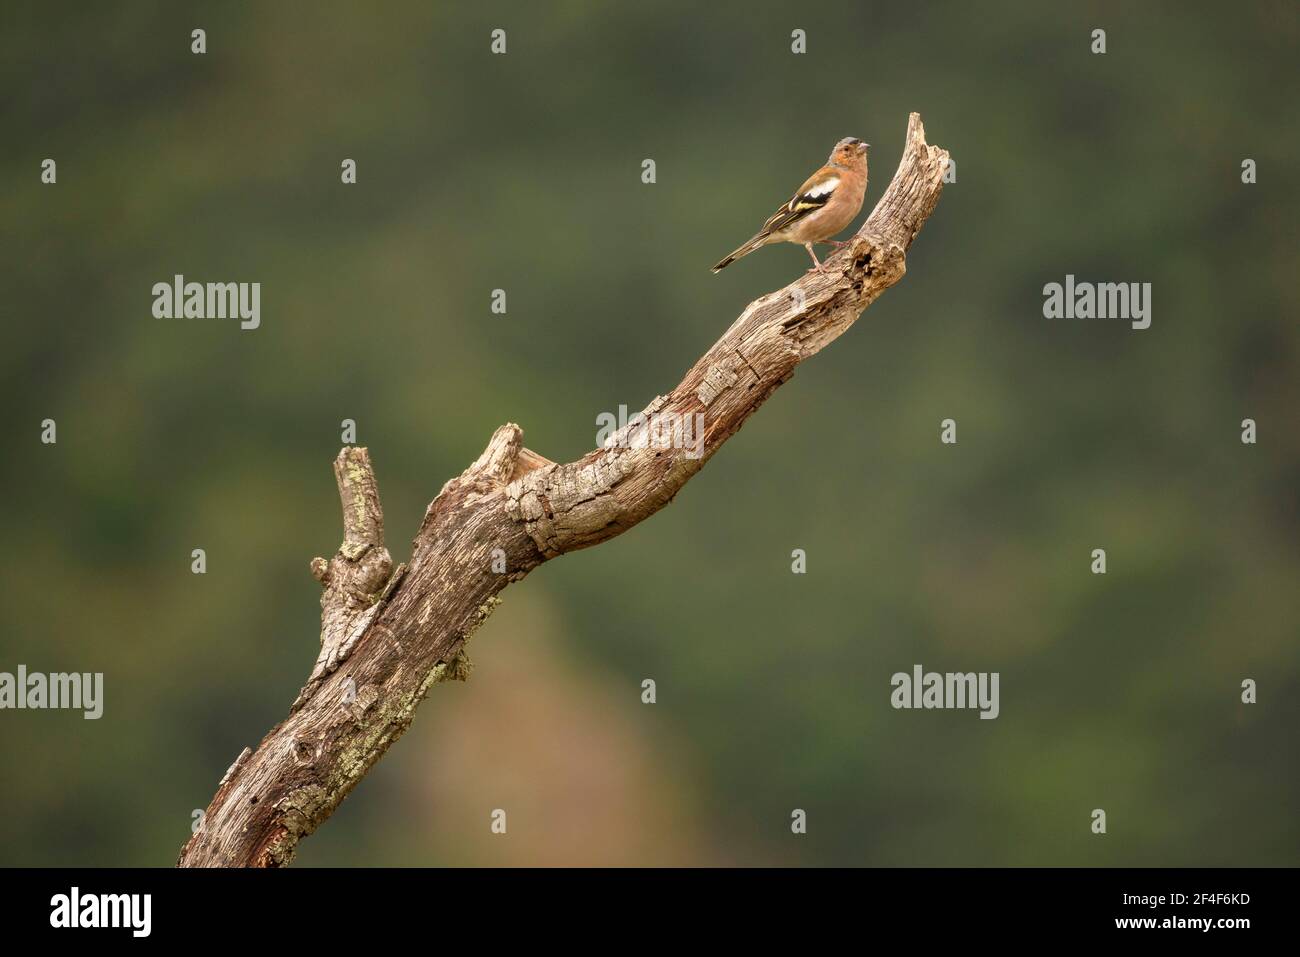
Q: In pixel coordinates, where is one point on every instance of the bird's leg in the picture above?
(816, 262)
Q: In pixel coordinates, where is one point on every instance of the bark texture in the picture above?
(388, 635)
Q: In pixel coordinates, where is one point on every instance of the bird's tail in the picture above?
(745, 250)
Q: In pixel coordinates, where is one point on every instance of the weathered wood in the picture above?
(388, 636)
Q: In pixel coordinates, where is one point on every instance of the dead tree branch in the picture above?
(387, 636)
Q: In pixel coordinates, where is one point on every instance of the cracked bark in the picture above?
(388, 635)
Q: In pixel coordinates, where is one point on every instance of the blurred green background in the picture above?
(522, 172)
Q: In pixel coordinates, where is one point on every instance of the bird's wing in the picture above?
(815, 193)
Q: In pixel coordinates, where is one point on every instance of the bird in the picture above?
(827, 202)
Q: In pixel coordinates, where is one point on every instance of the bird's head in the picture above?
(850, 152)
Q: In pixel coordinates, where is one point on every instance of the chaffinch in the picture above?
(820, 208)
